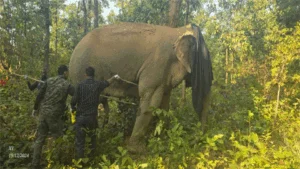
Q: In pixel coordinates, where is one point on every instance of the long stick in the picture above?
(44, 82)
(128, 82)
(28, 77)
(111, 98)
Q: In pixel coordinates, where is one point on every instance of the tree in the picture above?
(96, 14)
(152, 12)
(46, 12)
(290, 12)
(187, 11)
(174, 10)
(85, 17)
(111, 18)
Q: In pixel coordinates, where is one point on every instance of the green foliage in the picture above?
(17, 127)
(151, 12)
(289, 14)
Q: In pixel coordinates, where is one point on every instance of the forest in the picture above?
(253, 119)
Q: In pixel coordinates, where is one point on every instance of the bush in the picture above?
(243, 132)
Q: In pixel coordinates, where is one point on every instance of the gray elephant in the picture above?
(157, 58)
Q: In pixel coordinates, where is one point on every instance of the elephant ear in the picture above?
(185, 48)
(202, 75)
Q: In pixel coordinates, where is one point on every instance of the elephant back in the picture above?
(116, 49)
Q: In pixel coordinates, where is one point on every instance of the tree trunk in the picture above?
(187, 12)
(96, 13)
(174, 9)
(46, 11)
(226, 66)
(8, 50)
(89, 14)
(183, 95)
(89, 5)
(232, 65)
(278, 92)
(25, 20)
(56, 29)
(85, 17)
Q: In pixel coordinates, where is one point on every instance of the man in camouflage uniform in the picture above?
(52, 101)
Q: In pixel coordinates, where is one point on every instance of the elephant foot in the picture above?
(136, 147)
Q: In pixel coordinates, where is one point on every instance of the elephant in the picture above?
(155, 58)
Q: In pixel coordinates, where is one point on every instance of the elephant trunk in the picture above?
(202, 75)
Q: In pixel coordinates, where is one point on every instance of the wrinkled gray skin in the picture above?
(157, 58)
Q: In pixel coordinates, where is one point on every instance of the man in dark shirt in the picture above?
(85, 102)
(51, 101)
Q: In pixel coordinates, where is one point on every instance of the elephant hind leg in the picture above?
(149, 99)
(128, 115)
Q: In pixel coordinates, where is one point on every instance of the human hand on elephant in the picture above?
(115, 77)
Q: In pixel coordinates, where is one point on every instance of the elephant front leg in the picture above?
(148, 100)
(165, 103)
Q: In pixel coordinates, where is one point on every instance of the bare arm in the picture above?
(110, 80)
(105, 83)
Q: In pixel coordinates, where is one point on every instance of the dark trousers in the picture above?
(85, 125)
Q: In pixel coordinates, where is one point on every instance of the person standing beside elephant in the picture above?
(51, 101)
(85, 102)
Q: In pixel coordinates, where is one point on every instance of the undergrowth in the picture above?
(243, 132)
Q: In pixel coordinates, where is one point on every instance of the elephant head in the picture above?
(193, 54)
(202, 75)
(185, 49)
